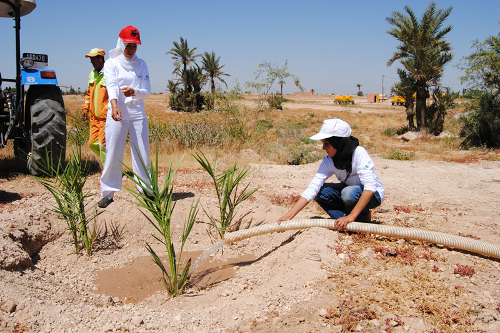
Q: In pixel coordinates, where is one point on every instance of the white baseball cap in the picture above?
(333, 127)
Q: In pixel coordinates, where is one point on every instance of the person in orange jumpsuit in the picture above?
(96, 103)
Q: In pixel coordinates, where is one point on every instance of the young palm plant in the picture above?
(159, 202)
(226, 188)
(66, 185)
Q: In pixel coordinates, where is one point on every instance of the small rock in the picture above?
(8, 306)
(337, 328)
(137, 321)
(323, 312)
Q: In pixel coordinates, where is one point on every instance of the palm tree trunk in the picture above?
(409, 115)
(185, 77)
(212, 102)
(421, 107)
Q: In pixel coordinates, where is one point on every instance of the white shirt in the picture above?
(363, 173)
(117, 77)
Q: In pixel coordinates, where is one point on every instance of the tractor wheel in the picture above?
(48, 128)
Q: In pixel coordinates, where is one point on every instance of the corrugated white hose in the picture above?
(452, 241)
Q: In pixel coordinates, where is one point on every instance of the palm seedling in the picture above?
(159, 202)
(66, 184)
(228, 196)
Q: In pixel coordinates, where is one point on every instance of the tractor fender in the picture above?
(34, 76)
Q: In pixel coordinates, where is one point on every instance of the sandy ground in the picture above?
(313, 280)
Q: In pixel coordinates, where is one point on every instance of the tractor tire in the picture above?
(48, 129)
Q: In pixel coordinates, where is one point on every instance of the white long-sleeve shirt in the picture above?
(117, 77)
(363, 173)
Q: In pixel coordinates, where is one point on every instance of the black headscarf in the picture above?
(345, 148)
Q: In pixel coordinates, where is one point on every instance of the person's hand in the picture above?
(85, 114)
(285, 217)
(116, 114)
(281, 219)
(128, 92)
(342, 222)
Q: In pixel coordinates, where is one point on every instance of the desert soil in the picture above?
(313, 280)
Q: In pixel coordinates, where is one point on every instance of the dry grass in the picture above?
(367, 120)
(280, 144)
(403, 280)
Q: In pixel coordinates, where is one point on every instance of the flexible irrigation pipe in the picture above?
(452, 241)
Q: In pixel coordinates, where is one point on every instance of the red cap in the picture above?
(130, 34)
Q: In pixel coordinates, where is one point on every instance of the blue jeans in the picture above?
(338, 199)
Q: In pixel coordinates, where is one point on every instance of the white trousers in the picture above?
(116, 136)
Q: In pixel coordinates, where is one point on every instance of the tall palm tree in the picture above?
(183, 56)
(211, 65)
(422, 50)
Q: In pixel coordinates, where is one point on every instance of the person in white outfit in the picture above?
(127, 81)
(359, 188)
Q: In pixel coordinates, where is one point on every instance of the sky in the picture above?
(330, 45)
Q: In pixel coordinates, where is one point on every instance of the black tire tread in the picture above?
(48, 126)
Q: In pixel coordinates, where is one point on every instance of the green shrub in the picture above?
(300, 155)
(264, 125)
(175, 101)
(276, 101)
(397, 154)
(224, 103)
(481, 126)
(389, 131)
(402, 130)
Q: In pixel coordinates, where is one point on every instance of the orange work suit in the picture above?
(96, 106)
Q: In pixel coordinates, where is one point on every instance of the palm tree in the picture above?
(423, 52)
(211, 65)
(406, 88)
(183, 56)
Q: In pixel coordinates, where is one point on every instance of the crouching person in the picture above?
(359, 188)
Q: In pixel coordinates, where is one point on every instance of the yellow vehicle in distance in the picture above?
(398, 100)
(346, 99)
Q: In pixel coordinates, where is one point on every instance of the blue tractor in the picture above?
(35, 122)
